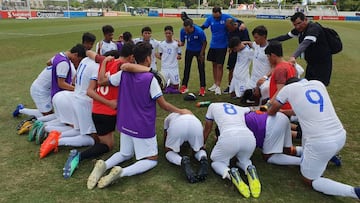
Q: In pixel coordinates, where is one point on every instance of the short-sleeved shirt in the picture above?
(282, 72)
(219, 37)
(87, 71)
(227, 116)
(194, 41)
(102, 47)
(261, 65)
(312, 105)
(155, 45)
(109, 92)
(169, 52)
(319, 49)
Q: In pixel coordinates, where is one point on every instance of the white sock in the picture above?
(283, 159)
(77, 141)
(115, 159)
(200, 154)
(63, 128)
(70, 133)
(47, 118)
(330, 187)
(299, 151)
(139, 167)
(221, 169)
(173, 157)
(31, 112)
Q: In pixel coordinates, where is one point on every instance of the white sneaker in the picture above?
(95, 175)
(212, 88)
(217, 91)
(114, 174)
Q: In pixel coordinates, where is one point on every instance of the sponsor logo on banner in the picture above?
(90, 14)
(49, 14)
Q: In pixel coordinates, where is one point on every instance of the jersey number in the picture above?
(229, 109)
(104, 90)
(315, 97)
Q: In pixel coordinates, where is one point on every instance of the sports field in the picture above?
(26, 45)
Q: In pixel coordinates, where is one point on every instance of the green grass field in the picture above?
(27, 44)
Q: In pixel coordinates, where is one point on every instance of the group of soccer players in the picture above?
(82, 95)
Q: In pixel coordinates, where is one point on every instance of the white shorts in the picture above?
(64, 107)
(278, 134)
(186, 128)
(240, 143)
(41, 98)
(318, 152)
(171, 74)
(141, 147)
(83, 114)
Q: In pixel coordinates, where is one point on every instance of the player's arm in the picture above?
(91, 92)
(202, 52)
(273, 107)
(103, 79)
(293, 33)
(207, 129)
(64, 85)
(136, 68)
(171, 108)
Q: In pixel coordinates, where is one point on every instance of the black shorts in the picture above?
(104, 124)
(217, 55)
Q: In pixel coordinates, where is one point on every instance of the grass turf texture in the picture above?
(27, 44)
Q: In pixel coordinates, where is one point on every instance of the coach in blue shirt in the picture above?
(218, 45)
(195, 39)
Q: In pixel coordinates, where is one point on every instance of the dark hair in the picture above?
(234, 41)
(146, 29)
(114, 53)
(184, 16)
(274, 47)
(188, 22)
(169, 27)
(127, 49)
(141, 51)
(127, 36)
(216, 9)
(88, 37)
(260, 30)
(292, 80)
(107, 29)
(297, 15)
(80, 50)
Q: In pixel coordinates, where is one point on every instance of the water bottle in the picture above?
(203, 104)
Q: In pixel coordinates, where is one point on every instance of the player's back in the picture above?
(87, 70)
(43, 80)
(312, 105)
(227, 116)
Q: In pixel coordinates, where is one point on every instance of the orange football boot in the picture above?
(50, 143)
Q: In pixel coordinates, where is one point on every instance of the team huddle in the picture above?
(83, 96)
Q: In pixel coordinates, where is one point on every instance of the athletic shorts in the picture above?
(141, 147)
(186, 128)
(239, 143)
(41, 98)
(318, 152)
(217, 55)
(278, 134)
(171, 74)
(82, 109)
(104, 124)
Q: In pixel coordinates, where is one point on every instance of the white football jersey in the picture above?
(241, 69)
(261, 65)
(43, 80)
(178, 118)
(169, 55)
(312, 105)
(87, 71)
(105, 47)
(227, 116)
(155, 45)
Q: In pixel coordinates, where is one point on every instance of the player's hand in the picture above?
(108, 58)
(292, 60)
(178, 57)
(185, 111)
(202, 58)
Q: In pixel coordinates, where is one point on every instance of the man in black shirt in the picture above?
(312, 41)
